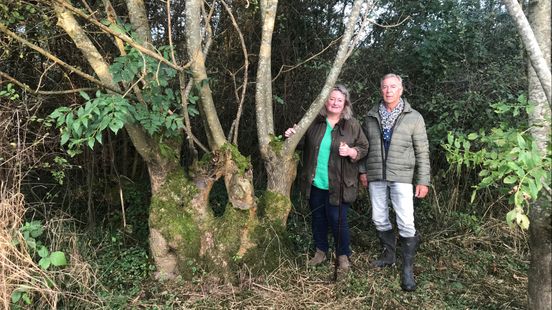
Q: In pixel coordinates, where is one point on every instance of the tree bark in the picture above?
(540, 244)
(280, 163)
(213, 127)
(540, 229)
(534, 52)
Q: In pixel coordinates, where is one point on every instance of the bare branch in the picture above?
(282, 70)
(48, 55)
(169, 29)
(121, 36)
(184, 92)
(236, 123)
(27, 88)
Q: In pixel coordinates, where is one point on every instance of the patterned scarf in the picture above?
(388, 118)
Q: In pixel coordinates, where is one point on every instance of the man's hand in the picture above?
(363, 179)
(421, 191)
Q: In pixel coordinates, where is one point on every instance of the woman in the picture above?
(332, 146)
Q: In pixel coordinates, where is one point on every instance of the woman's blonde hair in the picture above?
(347, 112)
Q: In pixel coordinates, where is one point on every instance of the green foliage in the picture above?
(85, 125)
(31, 232)
(157, 113)
(9, 92)
(508, 159)
(15, 11)
(123, 267)
(57, 168)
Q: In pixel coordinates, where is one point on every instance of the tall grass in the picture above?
(22, 145)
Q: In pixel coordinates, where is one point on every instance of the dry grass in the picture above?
(461, 271)
(22, 146)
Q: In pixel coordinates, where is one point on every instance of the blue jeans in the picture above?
(324, 214)
(402, 199)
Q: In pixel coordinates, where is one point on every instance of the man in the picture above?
(398, 152)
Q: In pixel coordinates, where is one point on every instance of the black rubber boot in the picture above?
(388, 243)
(409, 246)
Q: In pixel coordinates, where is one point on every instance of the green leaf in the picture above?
(77, 127)
(510, 179)
(518, 199)
(472, 136)
(99, 137)
(117, 28)
(90, 141)
(58, 258)
(16, 296)
(533, 190)
(85, 96)
(486, 181)
(42, 251)
(510, 216)
(278, 99)
(522, 220)
(26, 298)
(65, 137)
(520, 141)
(450, 138)
(44, 263)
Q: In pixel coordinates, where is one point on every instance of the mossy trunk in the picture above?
(540, 243)
(188, 239)
(281, 172)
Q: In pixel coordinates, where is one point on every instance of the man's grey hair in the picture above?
(347, 112)
(391, 75)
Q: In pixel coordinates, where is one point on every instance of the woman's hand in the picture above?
(290, 131)
(345, 150)
(363, 179)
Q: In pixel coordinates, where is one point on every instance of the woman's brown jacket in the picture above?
(348, 131)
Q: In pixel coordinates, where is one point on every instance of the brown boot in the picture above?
(319, 258)
(343, 263)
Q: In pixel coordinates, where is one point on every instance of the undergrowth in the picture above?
(464, 262)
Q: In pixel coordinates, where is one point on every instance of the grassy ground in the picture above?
(467, 264)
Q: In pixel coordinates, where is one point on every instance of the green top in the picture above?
(321, 172)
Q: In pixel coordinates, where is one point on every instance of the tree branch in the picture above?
(236, 123)
(532, 47)
(263, 91)
(60, 62)
(344, 50)
(29, 89)
(121, 36)
(213, 127)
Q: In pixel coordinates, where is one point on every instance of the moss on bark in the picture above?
(171, 216)
(275, 207)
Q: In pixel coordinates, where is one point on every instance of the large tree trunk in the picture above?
(281, 171)
(540, 229)
(188, 239)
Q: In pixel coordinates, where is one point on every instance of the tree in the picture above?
(135, 77)
(536, 37)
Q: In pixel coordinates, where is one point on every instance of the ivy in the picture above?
(508, 158)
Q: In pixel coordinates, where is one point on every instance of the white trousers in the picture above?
(402, 199)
